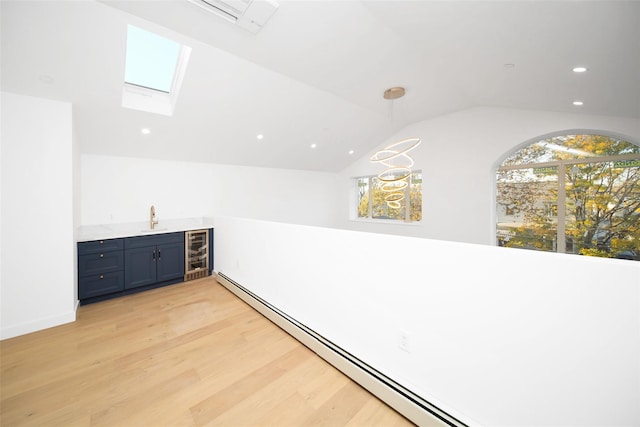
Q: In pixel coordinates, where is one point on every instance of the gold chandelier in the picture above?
(398, 163)
(396, 159)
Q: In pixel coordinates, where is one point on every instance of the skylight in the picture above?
(151, 59)
(154, 69)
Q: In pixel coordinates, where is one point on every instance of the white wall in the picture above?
(1, 201)
(496, 336)
(458, 157)
(37, 273)
(118, 189)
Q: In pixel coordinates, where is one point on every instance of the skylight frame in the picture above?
(143, 98)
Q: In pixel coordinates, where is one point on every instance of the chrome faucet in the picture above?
(152, 218)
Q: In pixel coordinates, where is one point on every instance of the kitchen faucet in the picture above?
(152, 220)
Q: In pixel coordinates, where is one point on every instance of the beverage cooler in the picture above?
(196, 254)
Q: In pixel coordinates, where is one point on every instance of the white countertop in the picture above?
(87, 233)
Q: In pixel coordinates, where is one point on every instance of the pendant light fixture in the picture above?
(395, 157)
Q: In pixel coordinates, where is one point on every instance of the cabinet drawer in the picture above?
(98, 246)
(156, 239)
(100, 284)
(100, 263)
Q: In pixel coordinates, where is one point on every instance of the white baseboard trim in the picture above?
(393, 394)
(7, 332)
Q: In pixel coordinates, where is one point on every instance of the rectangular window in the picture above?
(154, 70)
(151, 60)
(376, 201)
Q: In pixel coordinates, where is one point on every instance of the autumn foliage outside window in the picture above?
(577, 194)
(372, 204)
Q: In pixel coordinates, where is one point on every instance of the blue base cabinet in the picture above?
(100, 268)
(100, 284)
(170, 261)
(114, 267)
(153, 259)
(141, 267)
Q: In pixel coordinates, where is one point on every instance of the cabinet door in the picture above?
(170, 261)
(139, 267)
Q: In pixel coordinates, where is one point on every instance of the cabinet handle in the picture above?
(159, 255)
(101, 255)
(102, 242)
(154, 255)
(102, 276)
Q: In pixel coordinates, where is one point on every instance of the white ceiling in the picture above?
(317, 71)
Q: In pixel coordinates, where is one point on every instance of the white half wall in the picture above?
(494, 336)
(458, 158)
(37, 264)
(120, 189)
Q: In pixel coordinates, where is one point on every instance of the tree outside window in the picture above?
(575, 194)
(376, 207)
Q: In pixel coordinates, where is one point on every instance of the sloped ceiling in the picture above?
(316, 72)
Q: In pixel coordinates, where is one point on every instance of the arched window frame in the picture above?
(561, 166)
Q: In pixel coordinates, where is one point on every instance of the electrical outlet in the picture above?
(403, 341)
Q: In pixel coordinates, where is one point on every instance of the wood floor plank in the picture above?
(375, 413)
(341, 407)
(258, 404)
(128, 408)
(322, 386)
(190, 354)
(220, 402)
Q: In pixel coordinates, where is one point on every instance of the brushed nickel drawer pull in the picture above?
(102, 276)
(101, 255)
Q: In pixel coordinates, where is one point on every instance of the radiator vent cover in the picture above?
(251, 15)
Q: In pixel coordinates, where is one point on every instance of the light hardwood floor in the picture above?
(191, 354)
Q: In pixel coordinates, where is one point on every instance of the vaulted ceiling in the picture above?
(316, 72)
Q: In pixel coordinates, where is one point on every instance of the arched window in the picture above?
(577, 194)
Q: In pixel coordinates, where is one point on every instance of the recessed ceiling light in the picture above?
(145, 131)
(579, 69)
(578, 103)
(351, 151)
(260, 136)
(313, 145)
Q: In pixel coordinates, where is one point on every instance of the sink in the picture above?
(148, 230)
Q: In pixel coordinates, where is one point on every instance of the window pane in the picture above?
(381, 209)
(388, 198)
(569, 147)
(363, 197)
(527, 208)
(600, 199)
(416, 196)
(603, 209)
(150, 59)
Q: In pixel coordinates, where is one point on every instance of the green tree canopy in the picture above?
(602, 193)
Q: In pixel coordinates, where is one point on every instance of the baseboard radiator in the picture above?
(411, 406)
